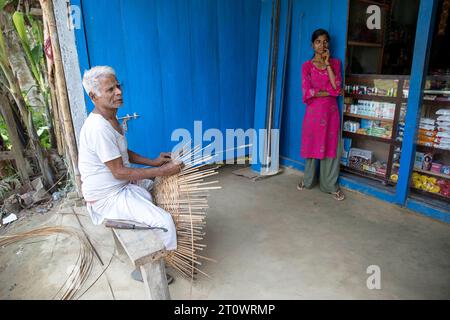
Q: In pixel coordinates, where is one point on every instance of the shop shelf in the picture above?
(436, 103)
(379, 3)
(365, 44)
(436, 92)
(359, 136)
(437, 196)
(367, 174)
(375, 97)
(360, 116)
(430, 173)
(439, 77)
(432, 149)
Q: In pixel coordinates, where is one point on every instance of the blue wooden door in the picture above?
(178, 61)
(307, 16)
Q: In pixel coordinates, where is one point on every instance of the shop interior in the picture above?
(378, 66)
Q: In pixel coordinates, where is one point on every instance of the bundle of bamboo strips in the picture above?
(185, 197)
(83, 265)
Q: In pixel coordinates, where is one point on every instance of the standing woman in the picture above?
(321, 85)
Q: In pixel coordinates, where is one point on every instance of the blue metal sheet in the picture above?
(144, 77)
(179, 61)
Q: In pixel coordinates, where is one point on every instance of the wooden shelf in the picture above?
(366, 76)
(436, 92)
(365, 44)
(432, 149)
(439, 78)
(437, 196)
(360, 116)
(365, 174)
(375, 2)
(375, 98)
(430, 173)
(436, 102)
(375, 138)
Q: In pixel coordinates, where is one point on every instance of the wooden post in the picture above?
(154, 275)
(146, 251)
(17, 148)
(61, 90)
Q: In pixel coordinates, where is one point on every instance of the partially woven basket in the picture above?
(185, 197)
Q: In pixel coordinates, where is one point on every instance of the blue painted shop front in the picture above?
(210, 60)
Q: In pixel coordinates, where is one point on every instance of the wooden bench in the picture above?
(146, 251)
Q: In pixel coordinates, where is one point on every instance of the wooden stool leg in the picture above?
(155, 281)
(119, 246)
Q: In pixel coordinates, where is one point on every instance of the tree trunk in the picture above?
(17, 148)
(54, 109)
(44, 166)
(61, 89)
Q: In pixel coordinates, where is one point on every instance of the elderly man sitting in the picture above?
(111, 188)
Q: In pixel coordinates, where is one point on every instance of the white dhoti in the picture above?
(133, 202)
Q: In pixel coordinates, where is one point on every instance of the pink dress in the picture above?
(320, 130)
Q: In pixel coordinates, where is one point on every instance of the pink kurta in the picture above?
(320, 131)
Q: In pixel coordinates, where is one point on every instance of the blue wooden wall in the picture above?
(178, 61)
(307, 17)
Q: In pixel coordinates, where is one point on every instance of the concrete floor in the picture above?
(270, 242)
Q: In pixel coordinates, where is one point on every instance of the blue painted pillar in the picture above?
(274, 33)
(424, 36)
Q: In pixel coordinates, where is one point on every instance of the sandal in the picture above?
(338, 195)
(301, 186)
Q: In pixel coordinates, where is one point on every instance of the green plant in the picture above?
(32, 39)
(19, 23)
(13, 86)
(7, 184)
(3, 3)
(4, 133)
(42, 129)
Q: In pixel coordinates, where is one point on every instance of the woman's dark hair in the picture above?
(318, 33)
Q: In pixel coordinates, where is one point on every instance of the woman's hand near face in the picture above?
(326, 56)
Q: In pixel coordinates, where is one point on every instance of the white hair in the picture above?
(91, 77)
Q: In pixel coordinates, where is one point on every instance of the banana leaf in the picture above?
(19, 23)
(3, 3)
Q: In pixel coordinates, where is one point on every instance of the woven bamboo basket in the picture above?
(185, 197)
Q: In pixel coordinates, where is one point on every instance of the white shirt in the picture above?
(100, 143)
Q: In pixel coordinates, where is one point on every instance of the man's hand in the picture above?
(171, 168)
(163, 158)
